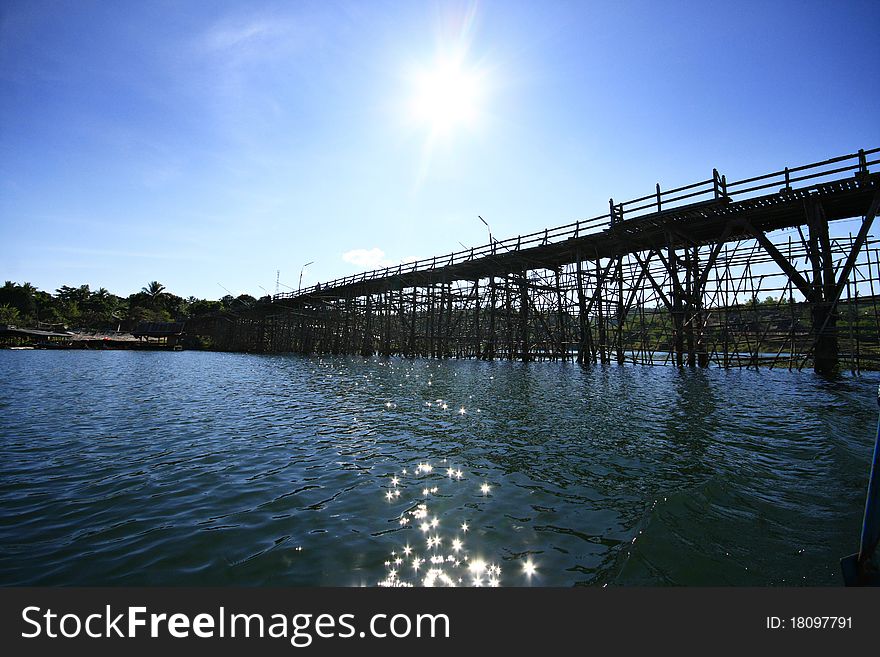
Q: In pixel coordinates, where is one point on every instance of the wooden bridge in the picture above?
(675, 276)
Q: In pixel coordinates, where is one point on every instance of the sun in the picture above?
(447, 95)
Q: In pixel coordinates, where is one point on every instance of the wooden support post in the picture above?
(726, 336)
(852, 321)
(508, 309)
(388, 317)
(583, 322)
(524, 318)
(827, 331)
(388, 307)
(677, 336)
(432, 347)
(791, 317)
(600, 315)
(489, 353)
(689, 307)
(367, 343)
(346, 325)
(441, 327)
(562, 343)
(477, 341)
(621, 310)
(447, 337)
(698, 294)
(412, 323)
(823, 310)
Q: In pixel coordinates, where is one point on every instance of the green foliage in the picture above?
(154, 289)
(78, 307)
(9, 315)
(199, 307)
(20, 297)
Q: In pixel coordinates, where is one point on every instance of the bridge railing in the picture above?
(712, 190)
(817, 172)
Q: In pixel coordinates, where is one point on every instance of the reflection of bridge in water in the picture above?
(677, 276)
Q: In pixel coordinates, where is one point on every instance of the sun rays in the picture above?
(447, 91)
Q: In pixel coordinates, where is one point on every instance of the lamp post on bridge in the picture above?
(299, 287)
(487, 228)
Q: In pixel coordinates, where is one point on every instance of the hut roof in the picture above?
(158, 329)
(35, 333)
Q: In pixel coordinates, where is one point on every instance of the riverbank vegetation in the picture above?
(81, 307)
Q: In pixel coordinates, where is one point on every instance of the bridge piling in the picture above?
(524, 317)
(824, 312)
(584, 356)
(602, 347)
(477, 350)
(620, 314)
(676, 276)
(489, 353)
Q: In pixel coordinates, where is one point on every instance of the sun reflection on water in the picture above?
(445, 559)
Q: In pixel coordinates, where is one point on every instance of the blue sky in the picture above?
(209, 144)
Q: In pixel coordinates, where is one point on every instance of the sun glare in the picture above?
(447, 95)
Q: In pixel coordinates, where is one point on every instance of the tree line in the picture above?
(99, 310)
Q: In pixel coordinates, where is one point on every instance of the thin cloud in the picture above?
(230, 34)
(235, 57)
(252, 40)
(227, 36)
(374, 257)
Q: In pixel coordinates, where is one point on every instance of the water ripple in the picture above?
(130, 468)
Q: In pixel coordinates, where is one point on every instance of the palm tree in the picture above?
(154, 289)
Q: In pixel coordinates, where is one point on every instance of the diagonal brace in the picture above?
(805, 288)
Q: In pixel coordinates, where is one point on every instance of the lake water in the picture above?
(196, 468)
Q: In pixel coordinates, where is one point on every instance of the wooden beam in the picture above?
(802, 284)
(713, 256)
(676, 284)
(861, 238)
(654, 284)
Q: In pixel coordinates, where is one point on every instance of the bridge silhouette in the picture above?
(674, 277)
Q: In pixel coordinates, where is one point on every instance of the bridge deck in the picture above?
(694, 224)
(641, 287)
(845, 191)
